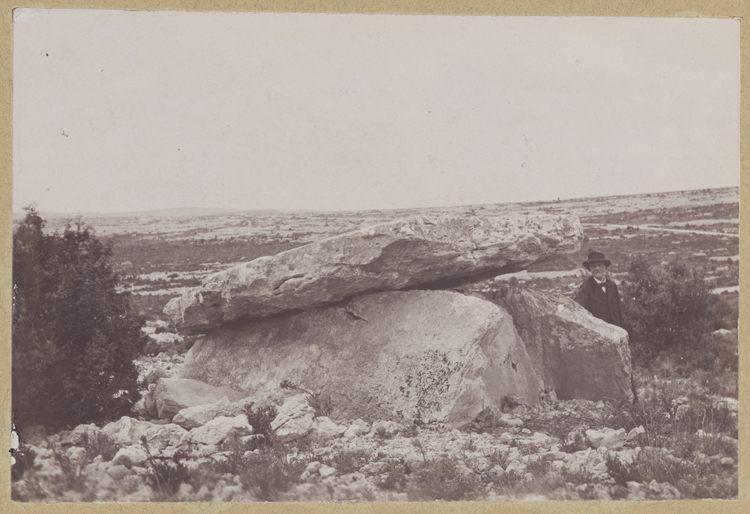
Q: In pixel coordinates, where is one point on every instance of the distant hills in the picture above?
(178, 212)
(156, 213)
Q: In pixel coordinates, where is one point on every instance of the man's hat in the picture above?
(595, 257)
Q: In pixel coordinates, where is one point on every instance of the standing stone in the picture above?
(576, 354)
(434, 250)
(399, 355)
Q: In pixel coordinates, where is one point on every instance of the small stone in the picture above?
(313, 467)
(727, 462)
(118, 472)
(326, 471)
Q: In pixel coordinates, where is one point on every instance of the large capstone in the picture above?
(576, 354)
(419, 251)
(398, 355)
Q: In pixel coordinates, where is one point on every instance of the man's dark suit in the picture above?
(605, 306)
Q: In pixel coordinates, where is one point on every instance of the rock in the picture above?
(375, 468)
(149, 404)
(324, 429)
(420, 250)
(727, 462)
(356, 429)
(76, 459)
(387, 428)
(607, 438)
(636, 432)
(326, 471)
(399, 355)
(497, 471)
(161, 437)
(118, 472)
(130, 456)
(294, 419)
(573, 352)
(174, 394)
(217, 430)
(517, 467)
(313, 467)
(81, 435)
(126, 430)
(194, 417)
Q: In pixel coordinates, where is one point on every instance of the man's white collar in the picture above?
(599, 281)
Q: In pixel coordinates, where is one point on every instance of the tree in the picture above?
(668, 310)
(74, 336)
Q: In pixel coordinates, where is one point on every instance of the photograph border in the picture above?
(635, 8)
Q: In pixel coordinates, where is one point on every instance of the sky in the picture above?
(120, 111)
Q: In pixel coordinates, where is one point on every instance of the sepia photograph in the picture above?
(317, 257)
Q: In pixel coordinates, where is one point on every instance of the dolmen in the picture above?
(386, 322)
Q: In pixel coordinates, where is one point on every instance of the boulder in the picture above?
(161, 437)
(324, 429)
(576, 354)
(81, 435)
(129, 456)
(357, 428)
(406, 253)
(217, 430)
(294, 419)
(126, 431)
(607, 437)
(194, 417)
(174, 394)
(398, 355)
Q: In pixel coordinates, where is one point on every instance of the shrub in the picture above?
(348, 461)
(270, 472)
(442, 480)
(668, 309)
(101, 444)
(260, 419)
(165, 478)
(74, 336)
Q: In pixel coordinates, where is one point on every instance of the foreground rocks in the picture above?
(575, 354)
(400, 355)
(402, 254)
(171, 395)
(224, 460)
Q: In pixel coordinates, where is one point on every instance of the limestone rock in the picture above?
(80, 435)
(130, 456)
(356, 429)
(174, 394)
(161, 437)
(194, 417)
(398, 355)
(324, 429)
(607, 438)
(395, 255)
(576, 354)
(217, 430)
(294, 419)
(126, 431)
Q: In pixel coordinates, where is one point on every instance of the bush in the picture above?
(74, 336)
(668, 309)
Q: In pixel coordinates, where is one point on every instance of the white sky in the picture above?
(124, 111)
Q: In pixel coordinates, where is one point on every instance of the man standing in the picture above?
(598, 294)
(600, 297)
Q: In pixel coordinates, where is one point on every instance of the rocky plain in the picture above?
(396, 362)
